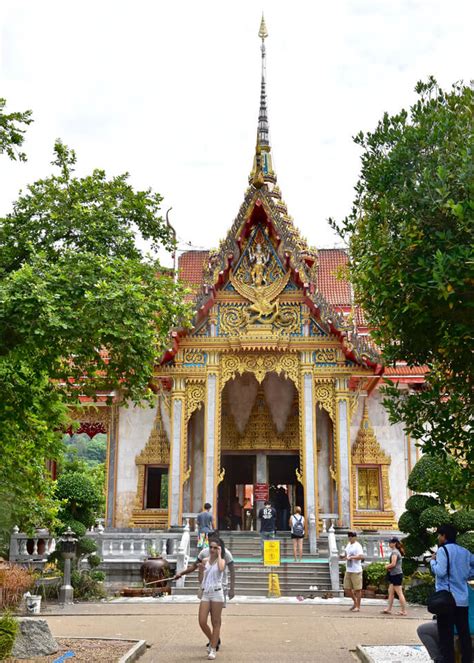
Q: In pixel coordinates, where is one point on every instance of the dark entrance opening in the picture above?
(285, 491)
(235, 505)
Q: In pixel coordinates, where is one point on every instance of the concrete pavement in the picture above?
(251, 632)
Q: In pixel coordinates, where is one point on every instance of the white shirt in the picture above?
(354, 565)
(205, 554)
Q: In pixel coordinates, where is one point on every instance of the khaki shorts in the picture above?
(353, 580)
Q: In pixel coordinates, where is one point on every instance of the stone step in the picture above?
(263, 591)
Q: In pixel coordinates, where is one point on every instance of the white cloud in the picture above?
(169, 92)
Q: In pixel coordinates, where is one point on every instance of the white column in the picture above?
(175, 465)
(210, 442)
(310, 460)
(343, 439)
(261, 476)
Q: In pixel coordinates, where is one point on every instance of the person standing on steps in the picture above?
(297, 533)
(205, 523)
(353, 554)
(395, 577)
(211, 593)
(267, 516)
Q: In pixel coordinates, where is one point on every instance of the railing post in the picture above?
(14, 549)
(182, 556)
(333, 560)
(313, 544)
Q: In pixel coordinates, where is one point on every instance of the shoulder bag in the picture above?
(442, 602)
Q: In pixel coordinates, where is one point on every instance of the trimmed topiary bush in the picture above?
(409, 566)
(409, 523)
(463, 520)
(418, 503)
(77, 527)
(467, 540)
(417, 545)
(434, 517)
(86, 546)
(94, 561)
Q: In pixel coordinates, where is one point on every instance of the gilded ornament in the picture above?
(260, 364)
(262, 297)
(325, 397)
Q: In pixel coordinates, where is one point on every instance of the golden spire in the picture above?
(263, 32)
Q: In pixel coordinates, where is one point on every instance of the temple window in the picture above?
(156, 491)
(368, 488)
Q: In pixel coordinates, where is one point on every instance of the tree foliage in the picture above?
(82, 309)
(411, 242)
(12, 130)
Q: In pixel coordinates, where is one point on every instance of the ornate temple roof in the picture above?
(315, 273)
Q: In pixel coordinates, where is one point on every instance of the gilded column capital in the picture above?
(179, 386)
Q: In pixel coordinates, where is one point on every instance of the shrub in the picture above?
(434, 517)
(82, 497)
(463, 520)
(99, 576)
(409, 566)
(418, 503)
(376, 573)
(94, 561)
(415, 546)
(466, 540)
(419, 593)
(8, 631)
(14, 582)
(86, 585)
(86, 546)
(409, 523)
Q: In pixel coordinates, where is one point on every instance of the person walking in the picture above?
(395, 577)
(267, 516)
(297, 533)
(211, 593)
(452, 566)
(353, 554)
(205, 523)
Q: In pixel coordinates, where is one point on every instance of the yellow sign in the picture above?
(271, 553)
(273, 586)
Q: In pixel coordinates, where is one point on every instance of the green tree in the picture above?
(82, 307)
(12, 130)
(411, 244)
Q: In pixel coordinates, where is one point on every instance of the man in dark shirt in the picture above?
(267, 516)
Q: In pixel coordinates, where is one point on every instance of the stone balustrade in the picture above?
(375, 546)
(135, 546)
(327, 520)
(32, 550)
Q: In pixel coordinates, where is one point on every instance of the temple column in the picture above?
(112, 456)
(261, 476)
(343, 445)
(211, 435)
(175, 492)
(310, 458)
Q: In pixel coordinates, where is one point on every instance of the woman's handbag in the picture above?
(442, 602)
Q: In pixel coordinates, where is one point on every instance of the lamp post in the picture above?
(68, 550)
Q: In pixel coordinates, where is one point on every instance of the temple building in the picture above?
(276, 384)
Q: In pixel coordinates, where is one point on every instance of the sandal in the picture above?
(386, 612)
(402, 614)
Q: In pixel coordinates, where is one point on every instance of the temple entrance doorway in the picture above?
(248, 480)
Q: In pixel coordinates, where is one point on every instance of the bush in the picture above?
(466, 540)
(82, 497)
(415, 546)
(409, 566)
(376, 573)
(463, 520)
(8, 631)
(418, 503)
(86, 546)
(99, 576)
(409, 523)
(14, 581)
(419, 593)
(434, 517)
(94, 561)
(428, 475)
(87, 586)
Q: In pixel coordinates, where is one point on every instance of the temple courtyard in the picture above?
(251, 631)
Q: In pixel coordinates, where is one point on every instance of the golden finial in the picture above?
(263, 32)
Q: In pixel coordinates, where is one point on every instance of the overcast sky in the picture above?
(169, 91)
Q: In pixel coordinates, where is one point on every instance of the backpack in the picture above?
(298, 527)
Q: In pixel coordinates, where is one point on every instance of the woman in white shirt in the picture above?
(212, 593)
(297, 533)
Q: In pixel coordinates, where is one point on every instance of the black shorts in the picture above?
(396, 580)
(297, 536)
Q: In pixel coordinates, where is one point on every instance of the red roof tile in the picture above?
(336, 291)
(191, 267)
(402, 370)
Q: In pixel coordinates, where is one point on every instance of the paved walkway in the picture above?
(251, 632)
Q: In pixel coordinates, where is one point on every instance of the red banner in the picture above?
(260, 491)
